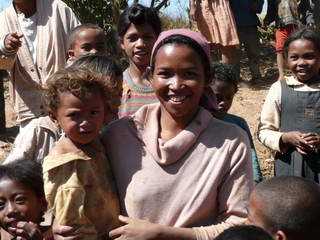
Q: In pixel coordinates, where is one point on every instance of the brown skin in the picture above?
(12, 42)
(137, 43)
(304, 61)
(256, 217)
(21, 210)
(88, 41)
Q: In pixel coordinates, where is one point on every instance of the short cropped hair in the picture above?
(75, 31)
(244, 232)
(225, 73)
(138, 14)
(303, 34)
(25, 172)
(290, 204)
(80, 82)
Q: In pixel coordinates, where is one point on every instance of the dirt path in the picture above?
(247, 104)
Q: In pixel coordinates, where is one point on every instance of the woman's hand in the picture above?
(64, 233)
(26, 231)
(135, 229)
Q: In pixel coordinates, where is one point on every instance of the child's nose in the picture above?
(140, 42)
(11, 210)
(175, 83)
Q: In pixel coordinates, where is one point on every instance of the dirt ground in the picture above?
(247, 104)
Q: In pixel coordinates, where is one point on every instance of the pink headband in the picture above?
(196, 36)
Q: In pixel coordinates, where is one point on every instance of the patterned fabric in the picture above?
(216, 22)
(80, 191)
(134, 96)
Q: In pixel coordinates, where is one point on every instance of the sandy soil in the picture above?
(247, 104)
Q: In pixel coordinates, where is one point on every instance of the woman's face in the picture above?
(178, 80)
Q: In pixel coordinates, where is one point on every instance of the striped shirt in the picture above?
(134, 96)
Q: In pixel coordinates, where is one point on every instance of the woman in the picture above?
(177, 167)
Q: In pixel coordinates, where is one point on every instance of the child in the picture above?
(22, 201)
(224, 86)
(138, 29)
(244, 232)
(78, 181)
(286, 207)
(289, 122)
(285, 14)
(84, 39)
(35, 141)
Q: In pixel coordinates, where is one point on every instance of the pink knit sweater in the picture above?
(201, 178)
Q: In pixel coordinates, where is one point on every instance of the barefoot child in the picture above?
(224, 86)
(78, 181)
(289, 121)
(138, 29)
(22, 201)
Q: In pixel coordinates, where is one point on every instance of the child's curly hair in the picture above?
(80, 82)
(225, 73)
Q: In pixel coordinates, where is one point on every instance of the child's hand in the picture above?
(12, 42)
(313, 140)
(26, 231)
(296, 139)
(134, 229)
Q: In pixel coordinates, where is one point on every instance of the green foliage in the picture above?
(170, 22)
(105, 13)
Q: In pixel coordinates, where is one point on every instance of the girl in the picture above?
(290, 115)
(225, 86)
(78, 183)
(22, 201)
(138, 29)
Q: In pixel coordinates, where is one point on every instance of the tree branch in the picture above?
(161, 4)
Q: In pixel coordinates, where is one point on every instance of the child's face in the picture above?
(303, 59)
(88, 41)
(224, 93)
(178, 80)
(18, 203)
(138, 43)
(81, 119)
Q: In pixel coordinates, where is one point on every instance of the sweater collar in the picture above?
(168, 152)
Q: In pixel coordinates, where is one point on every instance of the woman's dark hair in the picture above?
(183, 40)
(305, 34)
(225, 73)
(244, 232)
(138, 14)
(25, 172)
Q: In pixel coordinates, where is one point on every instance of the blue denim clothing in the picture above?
(245, 11)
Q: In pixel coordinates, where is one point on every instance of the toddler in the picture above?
(78, 181)
(224, 86)
(22, 201)
(36, 139)
(289, 122)
(286, 207)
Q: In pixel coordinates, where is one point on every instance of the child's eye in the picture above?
(293, 57)
(95, 112)
(2, 204)
(164, 74)
(20, 199)
(72, 114)
(190, 74)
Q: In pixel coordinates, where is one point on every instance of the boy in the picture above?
(286, 207)
(84, 39)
